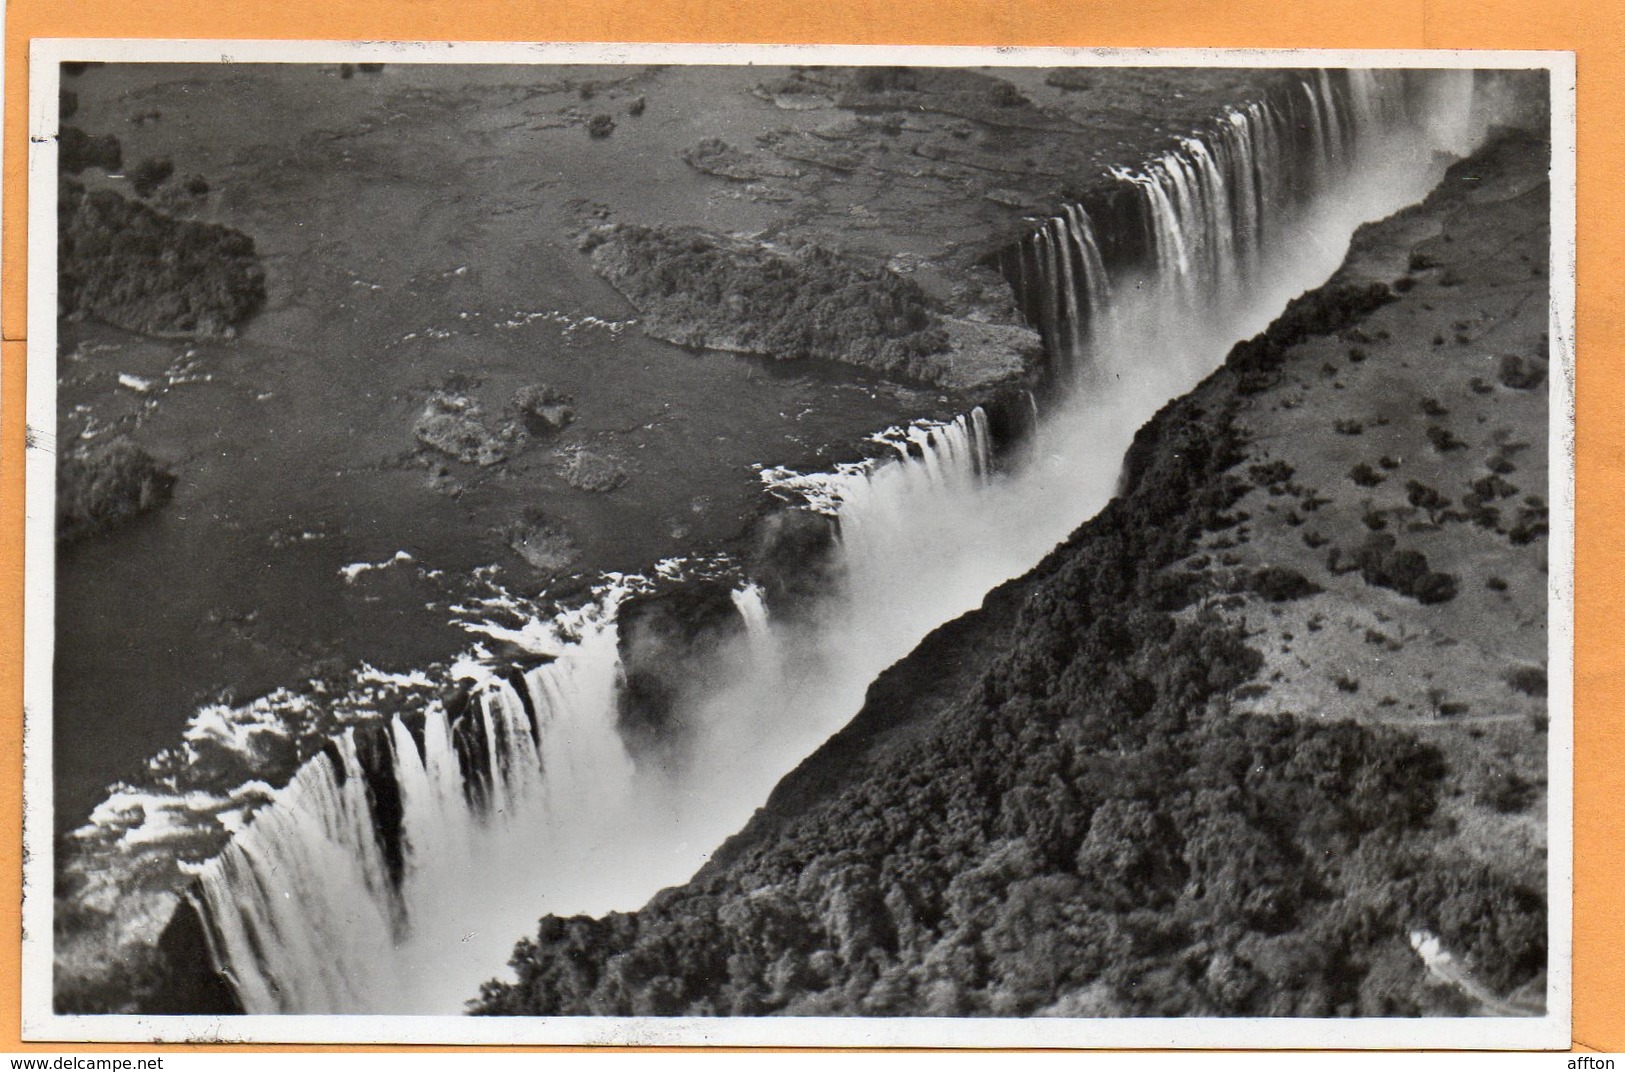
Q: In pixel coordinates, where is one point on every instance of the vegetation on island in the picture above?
(102, 487)
(957, 92)
(129, 265)
(805, 301)
(77, 151)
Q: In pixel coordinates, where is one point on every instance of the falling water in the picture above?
(397, 869)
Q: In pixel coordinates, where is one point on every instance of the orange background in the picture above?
(1594, 31)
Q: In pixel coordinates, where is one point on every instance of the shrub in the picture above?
(1443, 439)
(1530, 525)
(1276, 472)
(1503, 790)
(1383, 564)
(601, 125)
(1520, 373)
(1277, 584)
(1529, 680)
(1423, 497)
(1365, 476)
(1493, 487)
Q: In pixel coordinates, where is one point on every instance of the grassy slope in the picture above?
(1131, 793)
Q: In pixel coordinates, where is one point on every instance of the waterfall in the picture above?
(308, 904)
(1210, 207)
(396, 870)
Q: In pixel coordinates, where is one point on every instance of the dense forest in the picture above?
(127, 264)
(702, 290)
(1065, 817)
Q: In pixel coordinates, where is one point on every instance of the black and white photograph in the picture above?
(799, 546)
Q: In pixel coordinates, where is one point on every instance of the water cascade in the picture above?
(397, 870)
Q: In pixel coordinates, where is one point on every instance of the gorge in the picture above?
(425, 832)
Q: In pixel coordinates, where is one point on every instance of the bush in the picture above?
(1504, 791)
(1278, 584)
(1443, 439)
(1530, 525)
(1426, 498)
(601, 125)
(1365, 476)
(1276, 472)
(1520, 373)
(1529, 680)
(1382, 564)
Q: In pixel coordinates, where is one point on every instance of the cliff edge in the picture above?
(1250, 741)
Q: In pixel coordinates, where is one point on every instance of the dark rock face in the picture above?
(790, 557)
(191, 986)
(665, 641)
